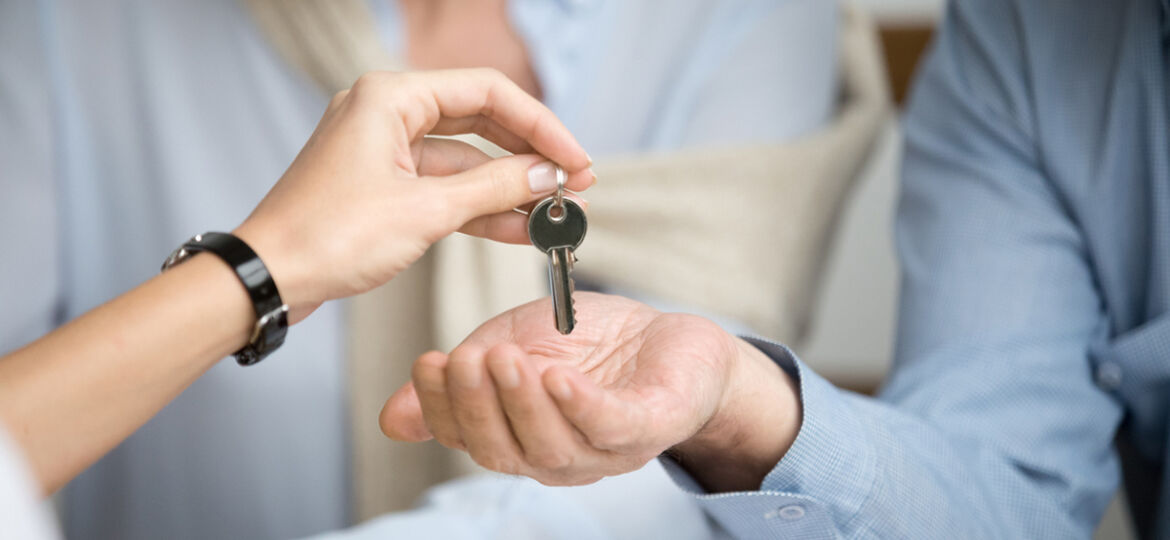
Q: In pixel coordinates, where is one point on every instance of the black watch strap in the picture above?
(271, 311)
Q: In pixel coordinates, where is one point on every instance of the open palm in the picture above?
(627, 384)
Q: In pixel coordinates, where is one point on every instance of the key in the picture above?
(557, 227)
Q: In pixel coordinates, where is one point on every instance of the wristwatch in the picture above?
(271, 312)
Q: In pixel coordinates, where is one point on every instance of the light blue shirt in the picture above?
(1034, 235)
(654, 75)
(128, 125)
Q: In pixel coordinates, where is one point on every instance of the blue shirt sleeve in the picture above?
(992, 424)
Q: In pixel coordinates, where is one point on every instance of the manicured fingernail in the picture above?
(542, 177)
(467, 376)
(506, 374)
(560, 388)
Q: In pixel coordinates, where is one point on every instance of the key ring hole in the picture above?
(556, 214)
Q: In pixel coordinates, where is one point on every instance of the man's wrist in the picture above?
(756, 423)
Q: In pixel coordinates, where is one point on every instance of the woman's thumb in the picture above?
(505, 183)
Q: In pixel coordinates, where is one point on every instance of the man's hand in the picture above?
(627, 385)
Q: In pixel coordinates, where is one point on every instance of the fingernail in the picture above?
(560, 388)
(590, 158)
(467, 375)
(542, 177)
(506, 374)
(594, 180)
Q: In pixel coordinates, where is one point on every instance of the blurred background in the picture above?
(851, 338)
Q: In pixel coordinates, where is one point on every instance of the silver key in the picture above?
(557, 227)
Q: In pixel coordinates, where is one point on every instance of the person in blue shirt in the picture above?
(1032, 370)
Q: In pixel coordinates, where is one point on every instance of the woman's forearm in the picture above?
(71, 396)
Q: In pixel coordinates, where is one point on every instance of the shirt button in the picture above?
(1109, 376)
(791, 512)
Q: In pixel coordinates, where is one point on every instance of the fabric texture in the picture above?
(1033, 337)
(331, 42)
(27, 514)
(675, 208)
(660, 212)
(642, 504)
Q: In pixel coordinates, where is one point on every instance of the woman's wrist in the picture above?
(754, 426)
(218, 279)
(293, 279)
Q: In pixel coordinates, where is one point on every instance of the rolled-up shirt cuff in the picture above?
(822, 480)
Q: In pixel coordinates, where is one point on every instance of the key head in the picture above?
(548, 231)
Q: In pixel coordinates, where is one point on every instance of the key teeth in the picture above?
(572, 297)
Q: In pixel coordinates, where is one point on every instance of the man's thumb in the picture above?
(402, 418)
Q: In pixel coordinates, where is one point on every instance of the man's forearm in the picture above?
(756, 423)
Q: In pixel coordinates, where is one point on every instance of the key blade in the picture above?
(572, 298)
(560, 268)
(572, 290)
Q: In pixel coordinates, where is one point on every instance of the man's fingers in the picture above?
(503, 184)
(430, 383)
(607, 421)
(402, 416)
(548, 442)
(480, 419)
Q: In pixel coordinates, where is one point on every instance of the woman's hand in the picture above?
(369, 192)
(627, 385)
